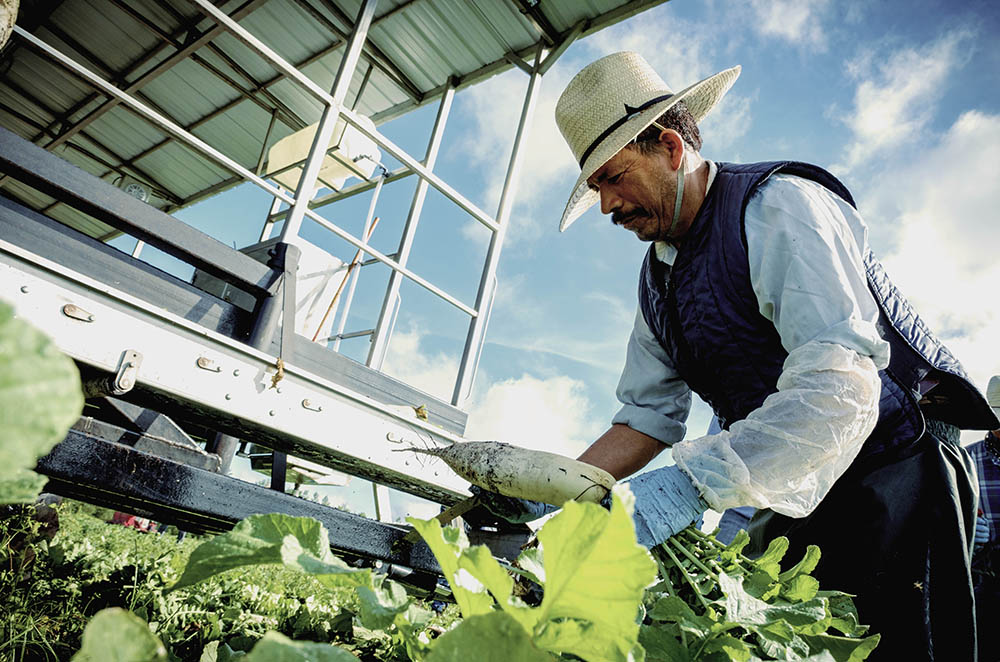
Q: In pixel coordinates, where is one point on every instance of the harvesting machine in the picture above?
(118, 118)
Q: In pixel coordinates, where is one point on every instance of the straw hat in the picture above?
(993, 393)
(610, 102)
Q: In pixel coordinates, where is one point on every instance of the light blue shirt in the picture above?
(805, 246)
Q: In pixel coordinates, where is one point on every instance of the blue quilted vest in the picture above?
(707, 319)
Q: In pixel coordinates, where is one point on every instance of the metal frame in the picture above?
(194, 371)
(299, 204)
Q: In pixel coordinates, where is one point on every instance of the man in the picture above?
(985, 456)
(760, 294)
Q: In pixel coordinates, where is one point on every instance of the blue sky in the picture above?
(899, 99)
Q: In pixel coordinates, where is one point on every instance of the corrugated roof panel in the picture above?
(238, 133)
(129, 133)
(189, 171)
(188, 92)
(288, 29)
(124, 39)
(50, 83)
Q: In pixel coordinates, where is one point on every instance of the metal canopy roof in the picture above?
(189, 68)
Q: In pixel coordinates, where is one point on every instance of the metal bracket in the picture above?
(128, 369)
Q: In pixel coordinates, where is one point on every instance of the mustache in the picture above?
(621, 218)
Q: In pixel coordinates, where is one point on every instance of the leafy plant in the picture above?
(40, 398)
(714, 603)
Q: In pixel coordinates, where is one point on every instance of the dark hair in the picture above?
(678, 118)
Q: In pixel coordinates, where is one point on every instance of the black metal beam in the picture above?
(53, 176)
(533, 12)
(87, 467)
(83, 254)
(138, 172)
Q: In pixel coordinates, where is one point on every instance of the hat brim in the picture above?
(993, 393)
(700, 99)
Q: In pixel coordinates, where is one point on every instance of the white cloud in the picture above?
(405, 360)
(944, 206)
(797, 21)
(897, 96)
(495, 109)
(545, 414)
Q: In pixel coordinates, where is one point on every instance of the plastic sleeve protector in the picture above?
(787, 454)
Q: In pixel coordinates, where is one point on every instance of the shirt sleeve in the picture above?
(655, 400)
(805, 248)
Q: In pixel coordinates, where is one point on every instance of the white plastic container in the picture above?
(347, 146)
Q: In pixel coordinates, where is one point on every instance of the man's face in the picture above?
(638, 191)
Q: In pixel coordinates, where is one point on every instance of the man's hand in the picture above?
(666, 502)
(512, 509)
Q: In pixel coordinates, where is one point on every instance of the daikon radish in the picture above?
(523, 473)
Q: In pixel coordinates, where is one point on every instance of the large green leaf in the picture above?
(380, 605)
(448, 545)
(275, 647)
(843, 649)
(116, 635)
(300, 543)
(493, 637)
(596, 573)
(663, 644)
(743, 608)
(40, 398)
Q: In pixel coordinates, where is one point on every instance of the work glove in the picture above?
(512, 509)
(982, 531)
(666, 502)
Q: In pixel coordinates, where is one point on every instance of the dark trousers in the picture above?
(896, 531)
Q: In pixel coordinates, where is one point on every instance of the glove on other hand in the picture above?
(982, 531)
(512, 509)
(666, 502)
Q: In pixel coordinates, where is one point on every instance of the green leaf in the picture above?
(276, 647)
(40, 398)
(299, 543)
(803, 567)
(733, 648)
(843, 649)
(381, 605)
(770, 560)
(447, 546)
(663, 644)
(844, 615)
(21, 486)
(743, 608)
(216, 651)
(532, 562)
(800, 589)
(493, 637)
(116, 635)
(596, 572)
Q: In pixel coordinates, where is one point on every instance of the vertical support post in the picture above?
(269, 224)
(328, 122)
(383, 509)
(267, 140)
(487, 285)
(383, 329)
(345, 307)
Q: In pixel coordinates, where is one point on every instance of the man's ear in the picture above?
(674, 144)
